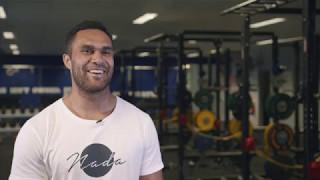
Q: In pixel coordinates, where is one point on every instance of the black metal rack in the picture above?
(213, 36)
(310, 85)
(247, 9)
(311, 74)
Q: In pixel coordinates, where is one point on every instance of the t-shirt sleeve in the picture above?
(152, 161)
(27, 163)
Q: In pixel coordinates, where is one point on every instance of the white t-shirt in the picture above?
(57, 145)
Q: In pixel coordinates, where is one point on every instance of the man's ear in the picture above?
(66, 60)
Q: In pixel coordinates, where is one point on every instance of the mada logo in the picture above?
(96, 160)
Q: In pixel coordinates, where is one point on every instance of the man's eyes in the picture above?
(87, 50)
(92, 50)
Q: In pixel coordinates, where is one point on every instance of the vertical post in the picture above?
(165, 83)
(209, 71)
(160, 92)
(275, 56)
(296, 81)
(244, 96)
(182, 108)
(123, 75)
(133, 83)
(201, 71)
(227, 84)
(217, 44)
(311, 85)
(264, 92)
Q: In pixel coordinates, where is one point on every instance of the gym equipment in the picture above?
(175, 114)
(13, 123)
(276, 172)
(234, 103)
(202, 143)
(205, 120)
(315, 169)
(203, 99)
(280, 106)
(186, 98)
(3, 123)
(278, 137)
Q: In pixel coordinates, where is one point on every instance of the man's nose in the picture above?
(97, 56)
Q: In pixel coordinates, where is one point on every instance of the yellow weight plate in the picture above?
(205, 120)
(278, 136)
(266, 137)
(234, 126)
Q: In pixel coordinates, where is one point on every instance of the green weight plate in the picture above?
(234, 103)
(280, 106)
(203, 99)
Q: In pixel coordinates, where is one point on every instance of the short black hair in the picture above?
(87, 24)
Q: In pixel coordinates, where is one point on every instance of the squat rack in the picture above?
(311, 74)
(223, 36)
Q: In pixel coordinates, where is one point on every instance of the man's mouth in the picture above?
(96, 71)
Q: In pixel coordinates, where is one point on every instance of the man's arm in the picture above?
(154, 176)
(152, 164)
(27, 163)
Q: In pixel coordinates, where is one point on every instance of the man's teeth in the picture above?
(96, 71)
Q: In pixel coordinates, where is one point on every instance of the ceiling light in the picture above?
(13, 47)
(292, 39)
(143, 54)
(264, 42)
(213, 51)
(8, 35)
(145, 18)
(193, 55)
(16, 52)
(267, 22)
(280, 41)
(186, 66)
(192, 42)
(153, 37)
(114, 36)
(2, 13)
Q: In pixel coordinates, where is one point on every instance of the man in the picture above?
(89, 133)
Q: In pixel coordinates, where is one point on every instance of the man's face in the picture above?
(90, 60)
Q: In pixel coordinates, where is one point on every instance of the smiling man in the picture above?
(89, 133)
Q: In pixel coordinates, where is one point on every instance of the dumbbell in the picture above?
(12, 123)
(3, 123)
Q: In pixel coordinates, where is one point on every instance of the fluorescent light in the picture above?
(114, 36)
(267, 22)
(143, 54)
(13, 47)
(192, 42)
(16, 52)
(146, 68)
(193, 55)
(292, 39)
(2, 13)
(145, 18)
(153, 37)
(8, 35)
(284, 40)
(186, 66)
(213, 51)
(264, 42)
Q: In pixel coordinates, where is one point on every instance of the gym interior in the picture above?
(231, 85)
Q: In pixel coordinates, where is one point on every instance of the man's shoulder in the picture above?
(128, 107)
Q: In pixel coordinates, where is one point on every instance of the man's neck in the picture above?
(90, 106)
